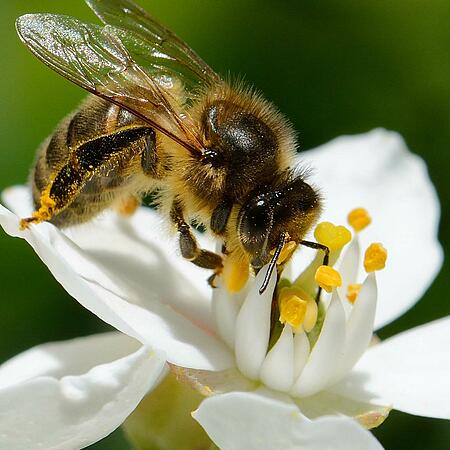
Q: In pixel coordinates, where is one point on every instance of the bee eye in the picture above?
(213, 157)
(254, 224)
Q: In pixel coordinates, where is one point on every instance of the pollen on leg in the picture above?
(359, 219)
(45, 212)
(353, 292)
(375, 257)
(328, 278)
(332, 236)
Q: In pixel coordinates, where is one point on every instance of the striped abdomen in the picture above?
(96, 157)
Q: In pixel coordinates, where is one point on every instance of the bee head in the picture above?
(290, 205)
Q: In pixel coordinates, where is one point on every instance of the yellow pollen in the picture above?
(375, 257)
(297, 308)
(353, 292)
(292, 310)
(328, 278)
(235, 272)
(286, 252)
(359, 218)
(334, 237)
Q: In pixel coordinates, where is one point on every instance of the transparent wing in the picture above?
(119, 66)
(126, 15)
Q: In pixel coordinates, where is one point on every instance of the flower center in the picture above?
(287, 337)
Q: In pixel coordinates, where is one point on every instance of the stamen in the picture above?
(353, 292)
(297, 308)
(358, 219)
(334, 237)
(292, 310)
(328, 278)
(375, 257)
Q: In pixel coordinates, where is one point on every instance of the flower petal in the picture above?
(410, 371)
(252, 421)
(359, 328)
(277, 370)
(66, 399)
(302, 349)
(376, 170)
(253, 326)
(107, 284)
(327, 403)
(326, 354)
(209, 383)
(225, 308)
(349, 269)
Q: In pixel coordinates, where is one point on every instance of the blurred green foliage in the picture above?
(334, 67)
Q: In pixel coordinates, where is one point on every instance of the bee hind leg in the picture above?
(44, 213)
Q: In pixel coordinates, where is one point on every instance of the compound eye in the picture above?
(254, 225)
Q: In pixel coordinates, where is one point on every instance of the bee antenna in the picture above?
(273, 263)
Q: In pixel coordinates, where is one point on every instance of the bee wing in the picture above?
(126, 15)
(120, 66)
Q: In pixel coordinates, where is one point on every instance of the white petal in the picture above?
(56, 397)
(376, 171)
(359, 325)
(253, 327)
(326, 354)
(208, 383)
(327, 403)
(410, 371)
(103, 283)
(225, 308)
(277, 371)
(133, 253)
(251, 421)
(349, 269)
(301, 352)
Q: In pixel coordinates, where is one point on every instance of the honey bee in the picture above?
(158, 118)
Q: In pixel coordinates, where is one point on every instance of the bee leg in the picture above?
(220, 216)
(326, 257)
(86, 161)
(188, 244)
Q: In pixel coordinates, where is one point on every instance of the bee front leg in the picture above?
(189, 248)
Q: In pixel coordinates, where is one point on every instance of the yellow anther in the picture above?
(286, 252)
(328, 278)
(297, 308)
(292, 310)
(334, 237)
(353, 292)
(358, 219)
(375, 257)
(235, 272)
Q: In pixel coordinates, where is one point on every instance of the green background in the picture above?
(334, 67)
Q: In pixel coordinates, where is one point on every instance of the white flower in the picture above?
(68, 395)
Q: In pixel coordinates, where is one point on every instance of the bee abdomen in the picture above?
(78, 160)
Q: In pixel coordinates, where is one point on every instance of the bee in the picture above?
(159, 119)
